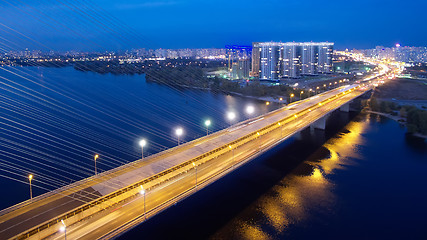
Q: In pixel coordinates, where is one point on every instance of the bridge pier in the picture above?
(320, 124)
(345, 107)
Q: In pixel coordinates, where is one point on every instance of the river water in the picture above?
(362, 178)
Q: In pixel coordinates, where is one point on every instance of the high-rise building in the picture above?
(255, 59)
(271, 57)
(325, 64)
(292, 60)
(238, 58)
(273, 60)
(309, 60)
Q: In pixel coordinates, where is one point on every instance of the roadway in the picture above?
(105, 224)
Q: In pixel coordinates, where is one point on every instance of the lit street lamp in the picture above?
(292, 95)
(143, 193)
(95, 157)
(250, 109)
(64, 229)
(30, 177)
(207, 124)
(179, 131)
(142, 143)
(300, 94)
(231, 116)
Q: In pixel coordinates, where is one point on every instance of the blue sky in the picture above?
(113, 24)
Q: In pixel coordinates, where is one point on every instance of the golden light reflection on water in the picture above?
(297, 196)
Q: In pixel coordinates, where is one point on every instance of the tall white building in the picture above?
(325, 64)
(271, 57)
(275, 60)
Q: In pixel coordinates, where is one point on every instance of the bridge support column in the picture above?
(319, 124)
(345, 107)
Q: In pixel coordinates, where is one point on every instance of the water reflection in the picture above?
(301, 194)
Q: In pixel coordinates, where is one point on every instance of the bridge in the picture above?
(110, 203)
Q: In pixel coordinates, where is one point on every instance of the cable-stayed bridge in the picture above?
(107, 204)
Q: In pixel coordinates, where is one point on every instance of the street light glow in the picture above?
(179, 131)
(142, 190)
(231, 116)
(250, 109)
(30, 177)
(143, 142)
(208, 123)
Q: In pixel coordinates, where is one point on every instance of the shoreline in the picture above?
(398, 119)
(264, 99)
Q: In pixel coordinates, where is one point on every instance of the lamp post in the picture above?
(30, 177)
(317, 88)
(207, 124)
(94, 158)
(291, 96)
(145, 210)
(300, 94)
(179, 131)
(195, 167)
(64, 229)
(142, 143)
(324, 86)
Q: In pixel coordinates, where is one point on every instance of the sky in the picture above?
(99, 25)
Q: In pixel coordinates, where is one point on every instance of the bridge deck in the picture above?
(27, 215)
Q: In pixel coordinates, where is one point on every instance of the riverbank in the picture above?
(398, 119)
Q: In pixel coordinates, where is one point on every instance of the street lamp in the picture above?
(143, 193)
(300, 94)
(63, 229)
(250, 109)
(30, 177)
(179, 131)
(207, 124)
(94, 158)
(231, 116)
(324, 86)
(292, 95)
(142, 143)
(317, 88)
(195, 167)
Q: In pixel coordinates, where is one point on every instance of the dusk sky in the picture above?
(111, 25)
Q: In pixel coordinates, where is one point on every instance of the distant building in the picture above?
(292, 60)
(325, 64)
(255, 59)
(239, 60)
(276, 60)
(271, 58)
